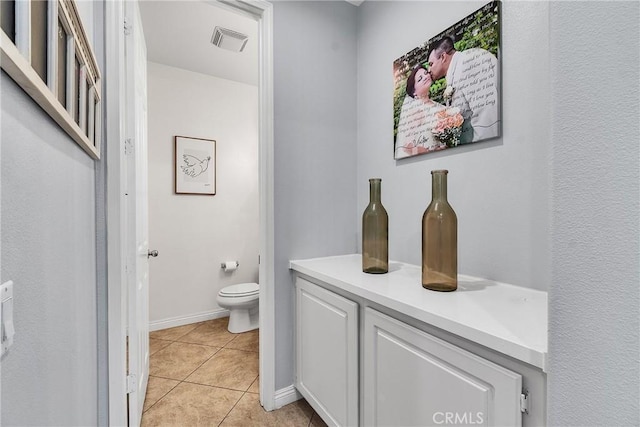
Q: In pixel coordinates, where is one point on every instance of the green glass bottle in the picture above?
(439, 238)
(375, 232)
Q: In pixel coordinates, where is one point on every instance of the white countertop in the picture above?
(506, 318)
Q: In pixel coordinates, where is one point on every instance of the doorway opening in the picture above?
(261, 13)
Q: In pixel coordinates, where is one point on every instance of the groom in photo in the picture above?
(472, 85)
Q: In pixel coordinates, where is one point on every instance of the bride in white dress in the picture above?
(417, 117)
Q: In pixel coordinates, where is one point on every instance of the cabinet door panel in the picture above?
(414, 379)
(327, 353)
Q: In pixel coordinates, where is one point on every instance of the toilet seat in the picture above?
(242, 302)
(240, 290)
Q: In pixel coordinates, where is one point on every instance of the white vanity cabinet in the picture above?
(327, 353)
(379, 350)
(412, 378)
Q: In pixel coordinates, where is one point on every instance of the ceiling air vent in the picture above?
(229, 40)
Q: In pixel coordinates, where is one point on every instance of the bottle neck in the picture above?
(374, 190)
(439, 186)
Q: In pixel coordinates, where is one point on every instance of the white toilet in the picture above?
(242, 302)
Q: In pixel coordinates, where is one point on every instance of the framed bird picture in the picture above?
(195, 171)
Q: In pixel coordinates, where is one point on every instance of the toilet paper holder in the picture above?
(229, 265)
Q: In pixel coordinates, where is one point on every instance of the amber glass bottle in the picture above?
(375, 232)
(439, 238)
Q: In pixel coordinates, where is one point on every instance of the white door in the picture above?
(0, 305)
(412, 378)
(137, 229)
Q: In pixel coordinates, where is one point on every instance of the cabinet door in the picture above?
(327, 353)
(412, 378)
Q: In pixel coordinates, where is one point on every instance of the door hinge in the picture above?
(131, 383)
(524, 402)
(128, 146)
(127, 27)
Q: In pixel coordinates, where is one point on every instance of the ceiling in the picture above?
(178, 33)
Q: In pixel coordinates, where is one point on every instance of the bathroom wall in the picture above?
(315, 151)
(594, 328)
(195, 233)
(50, 376)
(499, 188)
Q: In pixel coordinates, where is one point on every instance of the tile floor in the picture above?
(203, 375)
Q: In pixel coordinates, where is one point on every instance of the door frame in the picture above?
(262, 12)
(114, 78)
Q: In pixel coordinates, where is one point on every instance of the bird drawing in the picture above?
(193, 166)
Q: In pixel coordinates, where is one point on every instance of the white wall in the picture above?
(315, 150)
(553, 204)
(49, 376)
(195, 233)
(500, 188)
(50, 238)
(594, 347)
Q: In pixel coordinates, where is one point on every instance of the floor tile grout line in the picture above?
(198, 343)
(200, 366)
(207, 385)
(163, 396)
(208, 359)
(165, 378)
(237, 349)
(176, 340)
(232, 408)
(224, 388)
(179, 342)
(173, 339)
(186, 333)
(157, 339)
(219, 347)
(245, 391)
(200, 384)
(257, 379)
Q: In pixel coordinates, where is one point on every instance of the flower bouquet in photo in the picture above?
(448, 128)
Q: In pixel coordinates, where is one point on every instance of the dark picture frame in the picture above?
(195, 165)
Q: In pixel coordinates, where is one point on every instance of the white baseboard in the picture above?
(186, 320)
(286, 395)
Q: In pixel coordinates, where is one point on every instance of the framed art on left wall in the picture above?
(195, 167)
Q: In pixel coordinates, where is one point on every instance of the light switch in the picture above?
(8, 330)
